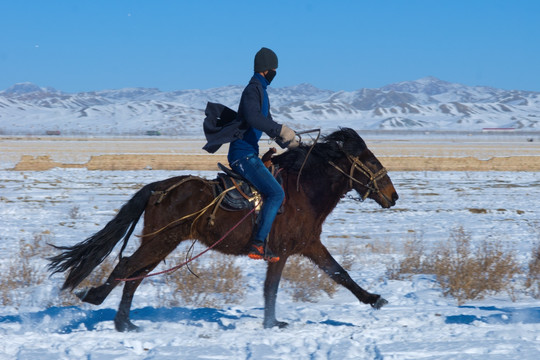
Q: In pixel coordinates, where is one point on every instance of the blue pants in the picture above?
(253, 170)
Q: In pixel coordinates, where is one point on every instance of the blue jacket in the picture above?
(256, 114)
(221, 126)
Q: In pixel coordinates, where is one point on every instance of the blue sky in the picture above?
(338, 45)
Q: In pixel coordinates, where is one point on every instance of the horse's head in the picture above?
(365, 172)
(342, 158)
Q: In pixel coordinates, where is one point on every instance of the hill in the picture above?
(427, 104)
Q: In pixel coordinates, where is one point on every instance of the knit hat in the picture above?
(265, 59)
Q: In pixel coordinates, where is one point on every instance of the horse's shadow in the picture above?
(496, 315)
(66, 320)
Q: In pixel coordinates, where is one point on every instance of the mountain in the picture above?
(424, 104)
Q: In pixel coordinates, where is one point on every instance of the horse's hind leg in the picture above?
(144, 260)
(148, 255)
(121, 320)
(96, 295)
(129, 267)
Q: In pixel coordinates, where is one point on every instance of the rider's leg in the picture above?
(253, 169)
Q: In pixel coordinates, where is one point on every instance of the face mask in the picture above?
(270, 76)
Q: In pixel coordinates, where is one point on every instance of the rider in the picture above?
(243, 156)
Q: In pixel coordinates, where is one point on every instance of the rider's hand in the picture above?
(288, 137)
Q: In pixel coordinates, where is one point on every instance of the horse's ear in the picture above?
(348, 140)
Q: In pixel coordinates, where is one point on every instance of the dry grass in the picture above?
(413, 262)
(533, 275)
(24, 273)
(380, 247)
(466, 273)
(477, 211)
(219, 281)
(74, 212)
(40, 153)
(463, 272)
(28, 270)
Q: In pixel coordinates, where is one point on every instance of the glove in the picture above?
(288, 137)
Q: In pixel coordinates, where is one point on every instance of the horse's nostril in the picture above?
(395, 196)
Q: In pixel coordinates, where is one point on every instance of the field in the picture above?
(65, 204)
(398, 153)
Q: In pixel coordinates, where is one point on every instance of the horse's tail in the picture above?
(85, 256)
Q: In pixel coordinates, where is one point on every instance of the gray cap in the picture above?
(265, 59)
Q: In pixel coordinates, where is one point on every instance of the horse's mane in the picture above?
(333, 146)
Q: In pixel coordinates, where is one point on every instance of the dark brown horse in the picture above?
(340, 163)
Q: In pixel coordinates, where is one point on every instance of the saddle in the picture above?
(240, 194)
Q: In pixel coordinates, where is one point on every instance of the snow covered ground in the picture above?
(418, 323)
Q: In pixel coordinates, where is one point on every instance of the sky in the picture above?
(76, 46)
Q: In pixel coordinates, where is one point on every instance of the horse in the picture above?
(314, 176)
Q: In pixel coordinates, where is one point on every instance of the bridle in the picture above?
(372, 185)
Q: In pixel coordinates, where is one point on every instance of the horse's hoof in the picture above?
(379, 303)
(85, 296)
(82, 294)
(126, 326)
(275, 323)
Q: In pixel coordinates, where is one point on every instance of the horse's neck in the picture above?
(321, 194)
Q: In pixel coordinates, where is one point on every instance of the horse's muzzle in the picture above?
(390, 199)
(395, 197)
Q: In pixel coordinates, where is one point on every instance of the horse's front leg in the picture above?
(320, 256)
(271, 284)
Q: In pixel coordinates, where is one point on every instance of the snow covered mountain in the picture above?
(424, 104)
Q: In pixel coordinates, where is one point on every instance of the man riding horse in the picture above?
(246, 128)
(185, 207)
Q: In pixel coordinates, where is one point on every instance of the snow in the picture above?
(418, 323)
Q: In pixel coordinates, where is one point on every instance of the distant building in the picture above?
(53, 132)
(498, 129)
(153, 133)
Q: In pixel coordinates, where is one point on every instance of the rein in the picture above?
(307, 155)
(356, 164)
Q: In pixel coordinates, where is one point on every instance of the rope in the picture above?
(198, 213)
(166, 191)
(193, 258)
